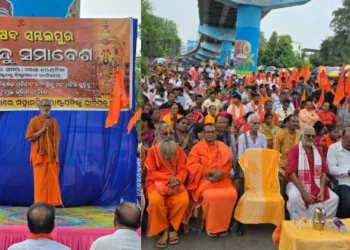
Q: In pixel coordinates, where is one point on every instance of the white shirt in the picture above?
(229, 110)
(122, 239)
(39, 244)
(207, 103)
(338, 160)
(260, 142)
(258, 108)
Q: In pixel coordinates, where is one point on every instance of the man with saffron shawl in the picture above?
(167, 196)
(209, 164)
(44, 134)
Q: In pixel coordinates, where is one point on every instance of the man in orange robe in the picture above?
(44, 134)
(167, 196)
(209, 164)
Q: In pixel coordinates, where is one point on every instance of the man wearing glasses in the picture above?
(306, 171)
(44, 134)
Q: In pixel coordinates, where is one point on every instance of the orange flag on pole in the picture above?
(119, 100)
(303, 98)
(305, 72)
(323, 80)
(229, 81)
(347, 87)
(294, 77)
(134, 119)
(340, 92)
(321, 100)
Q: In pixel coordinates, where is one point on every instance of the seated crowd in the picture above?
(194, 132)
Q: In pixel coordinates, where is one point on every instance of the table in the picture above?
(309, 239)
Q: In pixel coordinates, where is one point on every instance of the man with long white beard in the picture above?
(167, 196)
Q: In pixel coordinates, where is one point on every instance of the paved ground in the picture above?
(256, 237)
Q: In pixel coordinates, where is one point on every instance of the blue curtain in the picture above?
(97, 165)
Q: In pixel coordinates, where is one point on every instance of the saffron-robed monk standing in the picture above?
(167, 196)
(44, 134)
(209, 164)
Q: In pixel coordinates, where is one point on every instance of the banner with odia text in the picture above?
(71, 62)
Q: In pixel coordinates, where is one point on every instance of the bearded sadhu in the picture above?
(167, 196)
(44, 134)
(209, 185)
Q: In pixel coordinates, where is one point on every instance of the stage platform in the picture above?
(76, 227)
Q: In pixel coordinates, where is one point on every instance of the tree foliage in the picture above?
(159, 36)
(278, 51)
(335, 50)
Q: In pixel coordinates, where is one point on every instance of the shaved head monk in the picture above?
(209, 164)
(44, 134)
(167, 196)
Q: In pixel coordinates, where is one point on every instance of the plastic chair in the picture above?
(261, 201)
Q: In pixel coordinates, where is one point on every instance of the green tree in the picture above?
(159, 36)
(262, 49)
(335, 50)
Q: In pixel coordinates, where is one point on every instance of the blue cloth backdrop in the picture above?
(97, 165)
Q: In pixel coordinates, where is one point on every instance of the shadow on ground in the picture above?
(256, 237)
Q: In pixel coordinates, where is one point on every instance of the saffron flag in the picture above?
(347, 87)
(134, 119)
(303, 98)
(119, 100)
(229, 81)
(323, 80)
(294, 77)
(321, 100)
(340, 92)
(305, 72)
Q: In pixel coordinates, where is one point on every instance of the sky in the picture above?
(112, 9)
(307, 24)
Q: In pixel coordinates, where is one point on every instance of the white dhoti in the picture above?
(295, 201)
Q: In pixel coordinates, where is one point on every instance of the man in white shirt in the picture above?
(41, 222)
(160, 97)
(255, 106)
(211, 101)
(127, 219)
(284, 111)
(253, 138)
(338, 159)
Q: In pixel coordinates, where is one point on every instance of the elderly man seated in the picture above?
(338, 159)
(306, 171)
(167, 196)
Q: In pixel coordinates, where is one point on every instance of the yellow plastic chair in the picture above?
(261, 202)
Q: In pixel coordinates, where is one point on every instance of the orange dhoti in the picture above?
(46, 184)
(164, 212)
(168, 208)
(217, 198)
(218, 205)
(44, 159)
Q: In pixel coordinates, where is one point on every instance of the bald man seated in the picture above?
(41, 222)
(127, 219)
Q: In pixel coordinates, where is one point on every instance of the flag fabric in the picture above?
(229, 81)
(323, 80)
(305, 72)
(340, 92)
(321, 100)
(347, 87)
(119, 100)
(303, 98)
(134, 119)
(293, 77)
